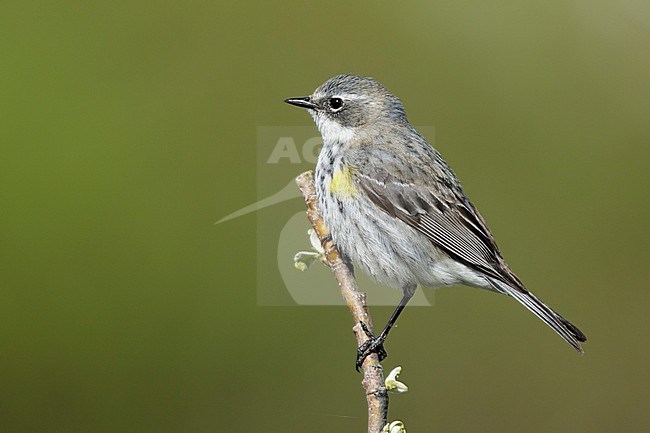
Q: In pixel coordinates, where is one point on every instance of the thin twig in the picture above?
(373, 375)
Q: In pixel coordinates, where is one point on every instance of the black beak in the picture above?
(302, 102)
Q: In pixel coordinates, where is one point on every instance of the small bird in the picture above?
(397, 210)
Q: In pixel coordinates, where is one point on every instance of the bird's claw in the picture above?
(372, 345)
(325, 240)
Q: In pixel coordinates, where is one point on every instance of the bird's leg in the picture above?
(376, 344)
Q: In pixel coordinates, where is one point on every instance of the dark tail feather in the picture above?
(569, 332)
(573, 328)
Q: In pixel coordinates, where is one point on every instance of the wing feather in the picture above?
(452, 225)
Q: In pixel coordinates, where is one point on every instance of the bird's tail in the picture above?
(568, 331)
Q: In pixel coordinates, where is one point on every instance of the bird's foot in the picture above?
(372, 345)
(325, 240)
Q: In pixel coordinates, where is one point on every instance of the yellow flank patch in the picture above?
(342, 184)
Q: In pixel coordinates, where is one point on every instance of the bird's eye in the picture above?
(336, 103)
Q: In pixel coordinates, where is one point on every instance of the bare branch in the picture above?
(373, 375)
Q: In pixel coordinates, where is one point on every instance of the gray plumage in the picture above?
(396, 208)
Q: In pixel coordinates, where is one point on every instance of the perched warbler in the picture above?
(397, 210)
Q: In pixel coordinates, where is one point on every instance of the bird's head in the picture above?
(344, 104)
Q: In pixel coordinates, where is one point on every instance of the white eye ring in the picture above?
(335, 104)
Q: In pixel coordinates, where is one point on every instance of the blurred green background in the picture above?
(129, 128)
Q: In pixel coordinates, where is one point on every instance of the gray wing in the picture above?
(427, 196)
